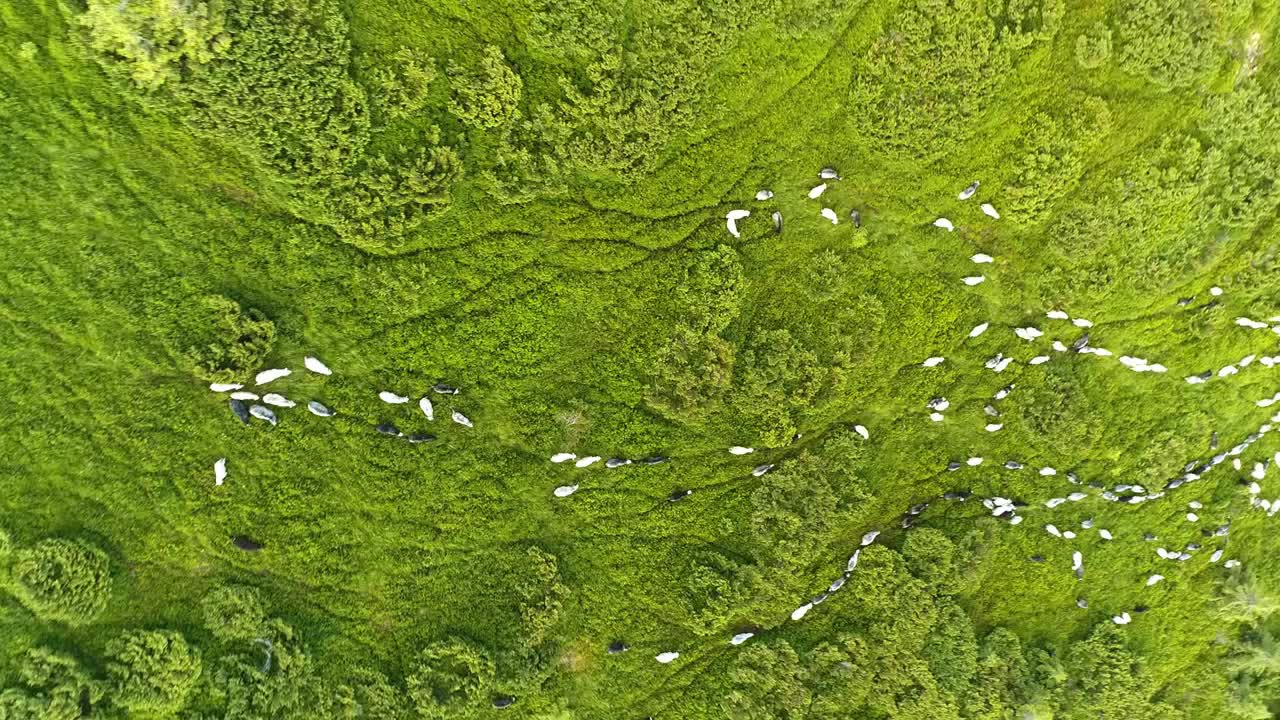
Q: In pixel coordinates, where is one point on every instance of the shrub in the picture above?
(449, 676)
(53, 687)
(930, 556)
(1169, 42)
(1025, 22)
(692, 374)
(1093, 48)
(1054, 152)
(541, 598)
(767, 681)
(6, 545)
(155, 39)
(234, 613)
(225, 342)
(934, 67)
(64, 580)
(486, 97)
(152, 672)
(402, 83)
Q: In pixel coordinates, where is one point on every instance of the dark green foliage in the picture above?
(282, 90)
(275, 682)
(952, 650)
(222, 340)
(1022, 23)
(450, 678)
(793, 511)
(234, 613)
(931, 557)
(696, 367)
(152, 672)
(777, 379)
(399, 88)
(714, 588)
(1110, 682)
(542, 598)
(66, 581)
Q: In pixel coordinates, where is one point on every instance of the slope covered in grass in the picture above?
(526, 200)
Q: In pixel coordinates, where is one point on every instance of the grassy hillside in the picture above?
(527, 200)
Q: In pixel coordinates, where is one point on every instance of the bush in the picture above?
(234, 613)
(930, 556)
(1055, 148)
(63, 580)
(1093, 48)
(449, 677)
(767, 681)
(934, 67)
(6, 545)
(152, 672)
(402, 83)
(53, 687)
(155, 39)
(224, 342)
(1023, 23)
(541, 598)
(486, 97)
(1169, 42)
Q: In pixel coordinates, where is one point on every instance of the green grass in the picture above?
(553, 314)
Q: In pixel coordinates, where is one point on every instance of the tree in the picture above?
(449, 677)
(541, 598)
(486, 97)
(1109, 682)
(234, 613)
(64, 580)
(152, 672)
(793, 509)
(155, 39)
(1244, 600)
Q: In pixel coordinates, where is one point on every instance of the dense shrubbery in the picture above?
(696, 367)
(224, 342)
(50, 686)
(152, 672)
(64, 580)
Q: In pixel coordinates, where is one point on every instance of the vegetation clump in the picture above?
(66, 581)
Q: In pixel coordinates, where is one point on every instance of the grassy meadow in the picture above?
(526, 200)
